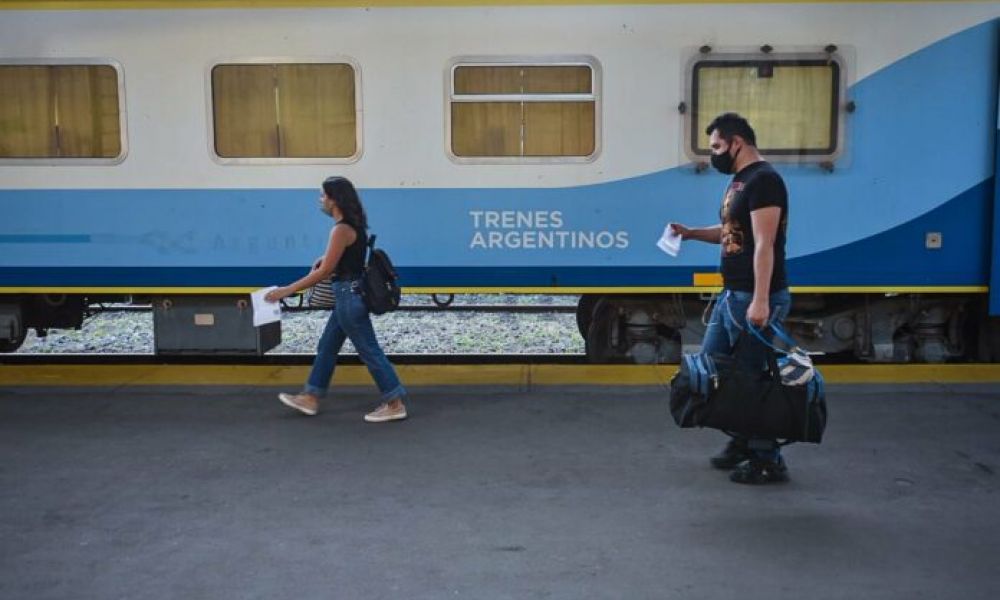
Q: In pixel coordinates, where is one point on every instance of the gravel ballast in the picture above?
(400, 332)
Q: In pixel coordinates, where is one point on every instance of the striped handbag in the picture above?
(321, 294)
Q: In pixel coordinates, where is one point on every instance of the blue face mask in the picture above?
(723, 162)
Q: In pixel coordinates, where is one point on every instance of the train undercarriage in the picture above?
(41, 312)
(872, 328)
(651, 329)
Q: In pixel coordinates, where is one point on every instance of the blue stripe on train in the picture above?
(995, 242)
(897, 257)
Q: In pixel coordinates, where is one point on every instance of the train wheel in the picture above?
(604, 334)
(12, 327)
(630, 330)
(442, 303)
(585, 312)
(7, 346)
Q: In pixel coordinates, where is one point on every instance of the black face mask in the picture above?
(723, 163)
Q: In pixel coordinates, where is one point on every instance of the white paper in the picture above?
(670, 241)
(264, 312)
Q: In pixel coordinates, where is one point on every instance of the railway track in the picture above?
(483, 308)
(282, 359)
(285, 359)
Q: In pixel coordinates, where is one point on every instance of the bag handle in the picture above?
(783, 335)
(780, 333)
(770, 354)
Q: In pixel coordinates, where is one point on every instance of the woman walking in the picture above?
(344, 260)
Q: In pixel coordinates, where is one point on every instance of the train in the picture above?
(173, 151)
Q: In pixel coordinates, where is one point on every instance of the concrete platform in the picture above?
(221, 492)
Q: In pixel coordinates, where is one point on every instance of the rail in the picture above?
(105, 358)
(484, 308)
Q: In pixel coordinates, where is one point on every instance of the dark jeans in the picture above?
(349, 319)
(727, 323)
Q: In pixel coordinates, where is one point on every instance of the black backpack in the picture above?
(379, 285)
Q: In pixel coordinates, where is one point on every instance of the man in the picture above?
(754, 218)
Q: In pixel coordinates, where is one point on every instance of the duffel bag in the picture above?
(723, 392)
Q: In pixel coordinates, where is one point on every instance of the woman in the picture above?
(344, 259)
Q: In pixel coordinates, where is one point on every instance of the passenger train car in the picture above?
(166, 149)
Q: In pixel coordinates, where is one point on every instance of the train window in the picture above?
(791, 102)
(60, 111)
(523, 112)
(294, 110)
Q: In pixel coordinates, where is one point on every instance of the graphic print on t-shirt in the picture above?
(732, 231)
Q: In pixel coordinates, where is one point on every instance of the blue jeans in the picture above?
(349, 319)
(727, 323)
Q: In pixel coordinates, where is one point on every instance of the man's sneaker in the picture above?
(383, 413)
(305, 403)
(735, 452)
(757, 471)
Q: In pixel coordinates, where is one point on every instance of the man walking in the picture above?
(753, 222)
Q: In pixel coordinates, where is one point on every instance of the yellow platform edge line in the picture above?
(249, 4)
(523, 376)
(952, 289)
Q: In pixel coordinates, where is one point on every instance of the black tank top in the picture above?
(352, 261)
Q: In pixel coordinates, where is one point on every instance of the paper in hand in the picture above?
(670, 241)
(264, 312)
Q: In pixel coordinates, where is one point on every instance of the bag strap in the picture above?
(753, 330)
(756, 333)
(770, 356)
(780, 333)
(729, 309)
(783, 335)
(369, 249)
(772, 366)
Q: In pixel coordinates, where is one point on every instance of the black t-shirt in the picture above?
(758, 185)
